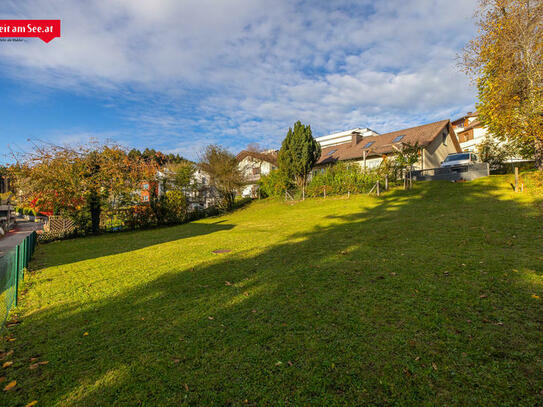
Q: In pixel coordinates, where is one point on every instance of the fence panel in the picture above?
(12, 266)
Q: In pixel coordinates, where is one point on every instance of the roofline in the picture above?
(447, 124)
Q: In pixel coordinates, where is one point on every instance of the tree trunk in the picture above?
(538, 153)
(95, 209)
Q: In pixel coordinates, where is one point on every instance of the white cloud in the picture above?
(245, 70)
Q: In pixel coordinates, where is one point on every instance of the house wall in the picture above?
(253, 169)
(479, 134)
(438, 150)
(371, 163)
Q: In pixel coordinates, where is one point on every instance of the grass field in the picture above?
(427, 297)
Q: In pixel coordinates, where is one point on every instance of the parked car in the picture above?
(459, 159)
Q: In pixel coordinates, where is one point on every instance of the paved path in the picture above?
(17, 235)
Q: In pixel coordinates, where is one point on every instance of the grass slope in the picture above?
(427, 297)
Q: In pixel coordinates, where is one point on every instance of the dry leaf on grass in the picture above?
(10, 386)
(7, 364)
(32, 403)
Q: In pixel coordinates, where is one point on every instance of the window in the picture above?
(466, 136)
(145, 198)
(457, 157)
(368, 145)
(398, 138)
(204, 180)
(331, 152)
(145, 186)
(256, 171)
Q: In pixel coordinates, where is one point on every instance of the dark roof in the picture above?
(423, 135)
(270, 157)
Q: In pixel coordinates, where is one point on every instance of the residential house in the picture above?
(369, 149)
(470, 131)
(146, 189)
(201, 194)
(343, 137)
(253, 165)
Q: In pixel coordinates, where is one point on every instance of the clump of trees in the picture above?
(225, 175)
(89, 182)
(78, 182)
(298, 154)
(506, 62)
(150, 154)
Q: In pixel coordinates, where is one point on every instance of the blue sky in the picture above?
(176, 76)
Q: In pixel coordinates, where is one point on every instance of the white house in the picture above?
(253, 165)
(343, 137)
(470, 131)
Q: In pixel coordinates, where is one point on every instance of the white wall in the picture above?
(479, 134)
(343, 137)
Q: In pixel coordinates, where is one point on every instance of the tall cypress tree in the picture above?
(299, 153)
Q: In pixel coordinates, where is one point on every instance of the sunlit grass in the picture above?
(426, 297)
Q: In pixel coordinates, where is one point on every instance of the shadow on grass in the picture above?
(425, 299)
(54, 253)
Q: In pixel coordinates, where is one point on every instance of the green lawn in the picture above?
(427, 297)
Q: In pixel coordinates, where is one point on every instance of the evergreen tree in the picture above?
(299, 153)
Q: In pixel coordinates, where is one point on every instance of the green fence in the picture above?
(12, 268)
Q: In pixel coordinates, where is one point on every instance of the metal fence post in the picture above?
(15, 268)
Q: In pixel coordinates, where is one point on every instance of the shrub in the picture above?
(274, 184)
(343, 178)
(139, 217)
(174, 207)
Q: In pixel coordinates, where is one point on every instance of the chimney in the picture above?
(355, 138)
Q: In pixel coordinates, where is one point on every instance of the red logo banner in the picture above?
(46, 30)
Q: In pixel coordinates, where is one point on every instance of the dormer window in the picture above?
(331, 152)
(368, 145)
(397, 139)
